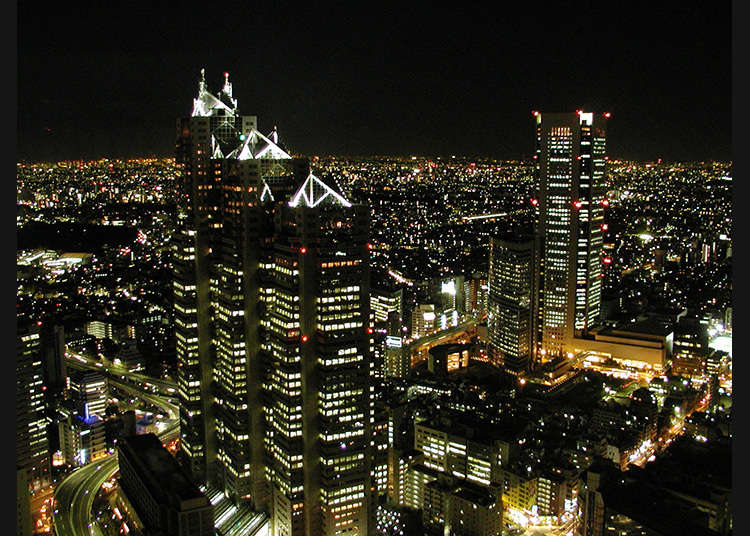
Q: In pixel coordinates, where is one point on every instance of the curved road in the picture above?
(74, 496)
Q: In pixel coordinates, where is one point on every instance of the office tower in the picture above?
(31, 423)
(319, 344)
(386, 301)
(89, 390)
(512, 301)
(230, 173)
(570, 164)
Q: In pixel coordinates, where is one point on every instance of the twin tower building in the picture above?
(272, 309)
(272, 321)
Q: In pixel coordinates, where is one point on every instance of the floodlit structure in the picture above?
(230, 171)
(570, 156)
(319, 342)
(272, 312)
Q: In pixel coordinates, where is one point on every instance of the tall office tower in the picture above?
(31, 423)
(570, 163)
(512, 300)
(319, 342)
(230, 171)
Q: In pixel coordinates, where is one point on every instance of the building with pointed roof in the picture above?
(274, 341)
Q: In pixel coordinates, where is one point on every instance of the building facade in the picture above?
(273, 327)
(570, 155)
(512, 302)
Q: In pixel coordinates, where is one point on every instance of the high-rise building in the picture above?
(570, 155)
(89, 390)
(273, 327)
(512, 302)
(31, 422)
(230, 172)
(320, 406)
(55, 369)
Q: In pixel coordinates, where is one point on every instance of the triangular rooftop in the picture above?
(255, 146)
(314, 192)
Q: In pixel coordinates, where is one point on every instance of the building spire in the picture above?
(275, 135)
(227, 86)
(202, 83)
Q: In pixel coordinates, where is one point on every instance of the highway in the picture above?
(74, 496)
(438, 335)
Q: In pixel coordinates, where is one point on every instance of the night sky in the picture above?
(110, 81)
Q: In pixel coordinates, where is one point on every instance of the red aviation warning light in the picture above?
(607, 260)
(303, 250)
(370, 331)
(577, 204)
(535, 113)
(605, 226)
(605, 202)
(607, 115)
(369, 246)
(305, 338)
(534, 201)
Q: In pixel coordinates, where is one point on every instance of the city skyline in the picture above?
(352, 82)
(377, 273)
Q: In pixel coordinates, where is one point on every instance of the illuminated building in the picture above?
(474, 511)
(512, 301)
(82, 439)
(31, 434)
(385, 302)
(690, 348)
(446, 358)
(89, 390)
(423, 320)
(274, 339)
(570, 164)
(320, 411)
(631, 350)
(229, 171)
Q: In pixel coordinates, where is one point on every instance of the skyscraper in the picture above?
(570, 158)
(32, 453)
(320, 405)
(229, 170)
(512, 301)
(274, 342)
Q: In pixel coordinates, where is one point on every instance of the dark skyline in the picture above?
(109, 81)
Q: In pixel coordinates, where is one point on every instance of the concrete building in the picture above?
(446, 358)
(165, 499)
(474, 511)
(82, 440)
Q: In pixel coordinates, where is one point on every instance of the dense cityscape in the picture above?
(239, 340)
